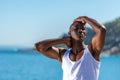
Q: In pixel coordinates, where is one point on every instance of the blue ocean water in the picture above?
(34, 66)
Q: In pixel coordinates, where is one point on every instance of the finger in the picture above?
(77, 20)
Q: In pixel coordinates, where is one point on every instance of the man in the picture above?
(79, 62)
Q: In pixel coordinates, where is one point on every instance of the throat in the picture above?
(77, 46)
(77, 50)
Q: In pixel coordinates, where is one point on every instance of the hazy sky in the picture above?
(24, 22)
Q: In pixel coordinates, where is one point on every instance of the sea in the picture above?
(34, 66)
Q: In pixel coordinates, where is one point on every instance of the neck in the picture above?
(77, 46)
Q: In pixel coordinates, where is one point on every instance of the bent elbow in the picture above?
(39, 47)
(36, 46)
(103, 30)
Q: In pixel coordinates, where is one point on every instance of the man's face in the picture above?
(77, 31)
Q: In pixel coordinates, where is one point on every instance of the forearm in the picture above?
(97, 27)
(46, 44)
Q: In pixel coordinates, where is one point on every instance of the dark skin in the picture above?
(75, 41)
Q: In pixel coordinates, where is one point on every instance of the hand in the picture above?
(81, 19)
(68, 41)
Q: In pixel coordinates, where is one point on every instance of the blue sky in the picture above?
(24, 22)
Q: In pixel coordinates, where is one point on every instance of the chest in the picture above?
(75, 57)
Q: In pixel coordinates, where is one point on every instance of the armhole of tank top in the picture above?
(66, 52)
(65, 55)
(91, 55)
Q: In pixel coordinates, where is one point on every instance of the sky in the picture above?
(25, 22)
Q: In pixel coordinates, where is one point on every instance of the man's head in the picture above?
(77, 31)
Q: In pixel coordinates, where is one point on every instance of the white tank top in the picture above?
(86, 68)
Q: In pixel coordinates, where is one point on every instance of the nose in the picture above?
(79, 31)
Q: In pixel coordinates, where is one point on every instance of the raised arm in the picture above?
(47, 49)
(98, 40)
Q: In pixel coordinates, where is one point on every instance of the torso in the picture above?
(78, 69)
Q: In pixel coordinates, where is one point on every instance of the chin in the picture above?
(79, 39)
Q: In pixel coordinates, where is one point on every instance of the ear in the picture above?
(69, 33)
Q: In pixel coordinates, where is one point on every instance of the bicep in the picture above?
(98, 41)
